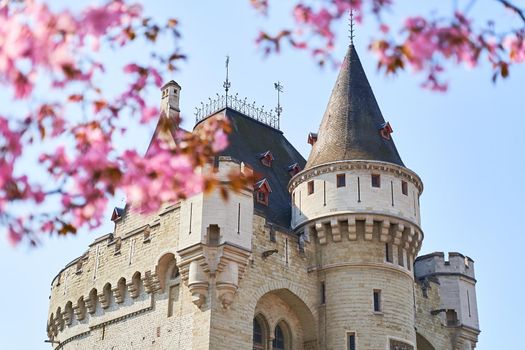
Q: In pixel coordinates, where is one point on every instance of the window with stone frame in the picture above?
(376, 180)
(341, 180)
(452, 318)
(377, 300)
(404, 187)
(310, 187)
(350, 341)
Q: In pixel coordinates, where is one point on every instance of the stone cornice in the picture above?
(355, 165)
(381, 266)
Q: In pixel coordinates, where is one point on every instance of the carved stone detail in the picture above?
(227, 263)
(119, 297)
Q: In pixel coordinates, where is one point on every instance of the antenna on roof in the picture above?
(279, 109)
(351, 26)
(227, 84)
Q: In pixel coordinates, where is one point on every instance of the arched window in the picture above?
(260, 333)
(281, 340)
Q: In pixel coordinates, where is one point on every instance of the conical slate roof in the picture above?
(350, 129)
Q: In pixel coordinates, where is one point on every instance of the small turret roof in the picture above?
(350, 129)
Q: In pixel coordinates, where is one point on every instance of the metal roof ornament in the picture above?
(279, 109)
(227, 84)
(351, 24)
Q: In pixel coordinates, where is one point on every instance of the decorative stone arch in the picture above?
(298, 301)
(68, 313)
(163, 254)
(285, 285)
(92, 301)
(106, 296)
(287, 332)
(119, 292)
(135, 286)
(423, 343)
(164, 268)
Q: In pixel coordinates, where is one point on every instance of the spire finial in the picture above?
(279, 109)
(352, 26)
(227, 84)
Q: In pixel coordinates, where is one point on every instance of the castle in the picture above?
(317, 254)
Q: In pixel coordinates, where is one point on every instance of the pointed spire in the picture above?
(351, 126)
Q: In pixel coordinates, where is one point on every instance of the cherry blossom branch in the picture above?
(513, 8)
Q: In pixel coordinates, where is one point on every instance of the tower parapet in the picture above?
(457, 290)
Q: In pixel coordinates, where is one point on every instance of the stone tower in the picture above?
(359, 204)
(313, 255)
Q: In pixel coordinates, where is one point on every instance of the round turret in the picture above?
(360, 206)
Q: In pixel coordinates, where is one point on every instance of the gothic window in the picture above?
(279, 342)
(341, 180)
(310, 187)
(377, 300)
(404, 188)
(260, 333)
(376, 180)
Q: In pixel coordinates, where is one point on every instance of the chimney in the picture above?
(169, 103)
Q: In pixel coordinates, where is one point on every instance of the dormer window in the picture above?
(266, 158)
(312, 138)
(385, 130)
(294, 169)
(117, 214)
(262, 191)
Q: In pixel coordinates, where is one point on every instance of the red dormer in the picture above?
(262, 191)
(312, 138)
(294, 169)
(385, 129)
(266, 158)
(117, 214)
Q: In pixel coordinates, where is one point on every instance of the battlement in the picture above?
(435, 264)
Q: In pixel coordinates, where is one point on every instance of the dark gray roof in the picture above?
(350, 128)
(248, 139)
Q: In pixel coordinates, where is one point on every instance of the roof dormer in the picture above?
(266, 158)
(385, 130)
(262, 191)
(294, 169)
(312, 138)
(117, 214)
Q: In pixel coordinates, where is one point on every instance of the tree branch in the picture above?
(513, 8)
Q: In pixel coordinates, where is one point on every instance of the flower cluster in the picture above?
(57, 51)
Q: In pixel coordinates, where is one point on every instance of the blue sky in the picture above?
(467, 145)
